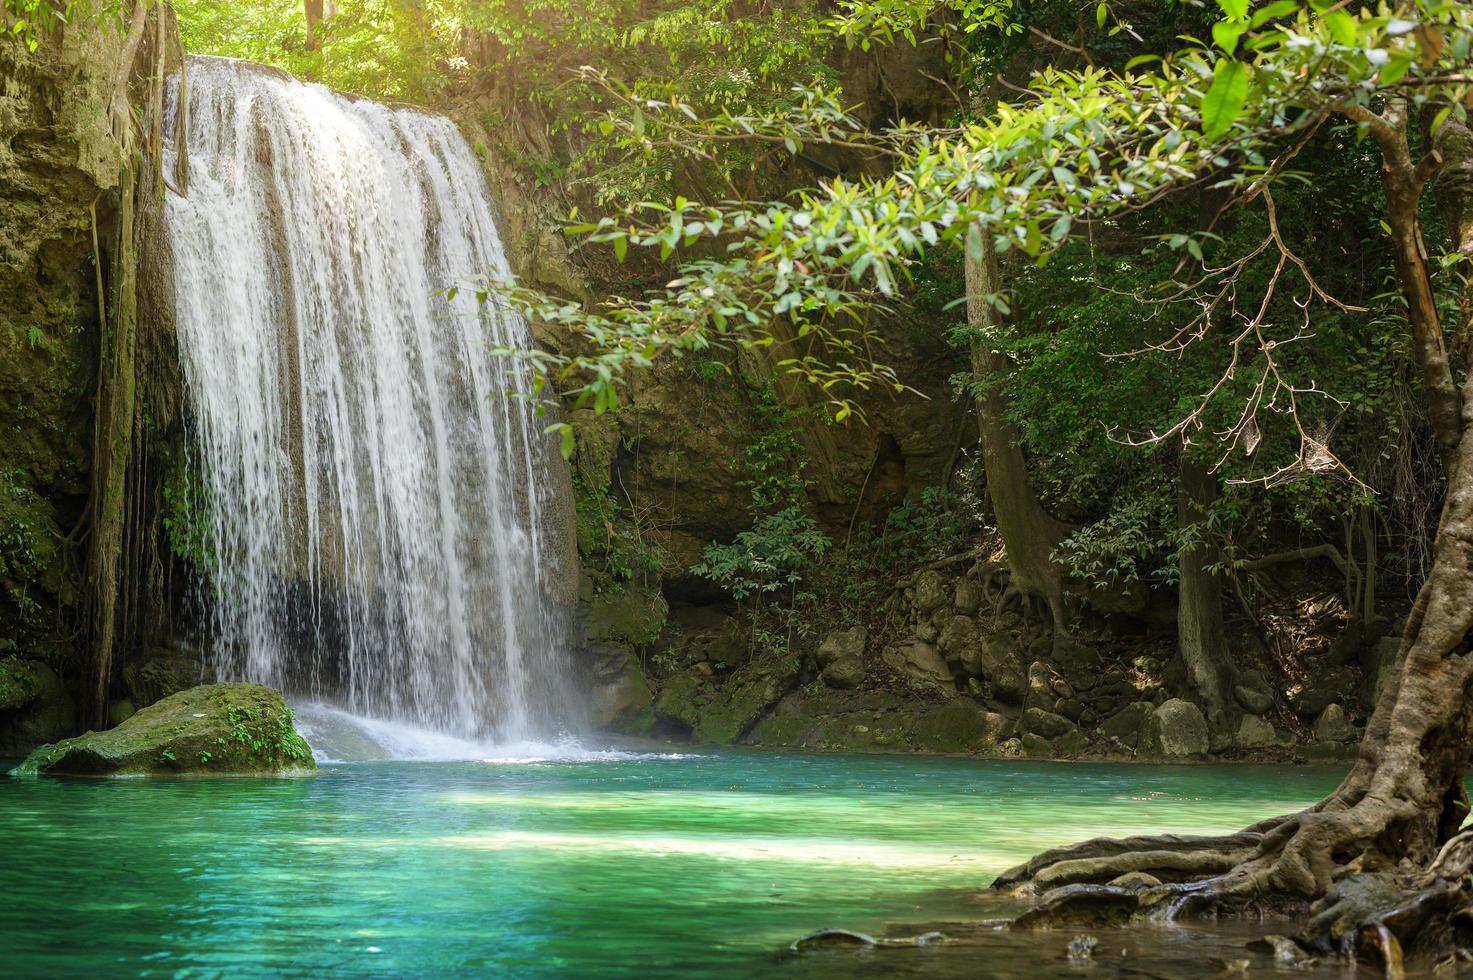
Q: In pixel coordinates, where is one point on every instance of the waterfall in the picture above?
(376, 510)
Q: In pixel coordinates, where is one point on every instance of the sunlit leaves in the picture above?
(1225, 98)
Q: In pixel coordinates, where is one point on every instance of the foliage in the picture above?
(31, 21)
(185, 516)
(772, 556)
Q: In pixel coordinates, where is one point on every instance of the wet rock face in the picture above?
(34, 707)
(1175, 730)
(619, 697)
(217, 729)
(56, 158)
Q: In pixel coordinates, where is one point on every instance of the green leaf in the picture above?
(621, 247)
(1101, 12)
(1280, 8)
(1236, 9)
(1342, 27)
(1225, 34)
(1225, 98)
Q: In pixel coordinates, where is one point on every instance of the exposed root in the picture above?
(1104, 858)
(1369, 912)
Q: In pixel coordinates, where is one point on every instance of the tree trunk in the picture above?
(1030, 534)
(1454, 193)
(1201, 636)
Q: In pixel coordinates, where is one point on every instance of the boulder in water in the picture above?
(216, 729)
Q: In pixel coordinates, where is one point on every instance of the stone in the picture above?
(627, 614)
(922, 663)
(21, 682)
(1322, 688)
(1126, 724)
(1037, 747)
(958, 640)
(960, 725)
(163, 671)
(40, 709)
(1333, 726)
(1045, 723)
(930, 592)
(1072, 744)
(1253, 693)
(968, 598)
(1009, 685)
(727, 645)
(1256, 733)
(1040, 693)
(677, 701)
(1071, 708)
(745, 697)
(841, 644)
(1175, 730)
(120, 711)
(846, 673)
(1383, 651)
(618, 695)
(215, 729)
(1330, 751)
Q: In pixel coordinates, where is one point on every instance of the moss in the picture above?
(216, 729)
(627, 614)
(20, 683)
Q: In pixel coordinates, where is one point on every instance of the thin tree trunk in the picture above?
(1201, 636)
(1029, 533)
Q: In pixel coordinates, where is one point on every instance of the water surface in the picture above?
(611, 864)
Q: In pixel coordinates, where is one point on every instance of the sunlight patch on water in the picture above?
(881, 855)
(338, 736)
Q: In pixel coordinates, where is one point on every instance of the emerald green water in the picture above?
(628, 866)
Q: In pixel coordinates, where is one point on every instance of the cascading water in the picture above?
(376, 509)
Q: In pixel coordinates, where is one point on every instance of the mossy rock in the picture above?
(960, 725)
(627, 615)
(677, 700)
(21, 682)
(745, 697)
(216, 729)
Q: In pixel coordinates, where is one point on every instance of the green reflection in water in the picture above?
(709, 863)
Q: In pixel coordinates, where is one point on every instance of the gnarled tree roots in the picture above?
(1326, 864)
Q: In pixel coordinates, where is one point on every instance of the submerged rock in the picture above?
(1175, 730)
(217, 729)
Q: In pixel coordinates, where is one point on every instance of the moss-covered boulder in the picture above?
(745, 697)
(217, 729)
(627, 614)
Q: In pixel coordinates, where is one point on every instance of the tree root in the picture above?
(1384, 916)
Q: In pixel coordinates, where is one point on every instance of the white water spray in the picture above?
(376, 510)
